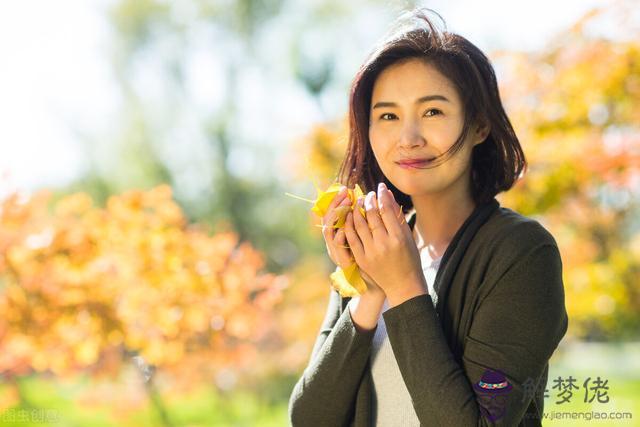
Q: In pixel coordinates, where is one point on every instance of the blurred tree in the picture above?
(82, 289)
(183, 70)
(150, 56)
(577, 116)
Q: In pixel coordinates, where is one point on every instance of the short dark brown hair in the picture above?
(496, 163)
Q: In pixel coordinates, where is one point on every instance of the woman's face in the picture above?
(416, 112)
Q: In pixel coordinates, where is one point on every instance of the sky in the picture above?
(56, 87)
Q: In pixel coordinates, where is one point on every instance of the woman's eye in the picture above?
(434, 110)
(428, 113)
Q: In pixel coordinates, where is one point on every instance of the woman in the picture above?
(470, 344)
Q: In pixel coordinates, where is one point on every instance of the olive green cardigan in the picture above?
(501, 307)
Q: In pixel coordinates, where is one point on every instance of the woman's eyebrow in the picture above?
(418, 101)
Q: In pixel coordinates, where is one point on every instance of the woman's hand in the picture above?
(384, 248)
(372, 286)
(336, 242)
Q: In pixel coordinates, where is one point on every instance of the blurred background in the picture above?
(154, 273)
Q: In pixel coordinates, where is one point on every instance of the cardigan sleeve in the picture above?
(325, 393)
(515, 329)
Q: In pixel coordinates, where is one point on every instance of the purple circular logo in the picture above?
(492, 390)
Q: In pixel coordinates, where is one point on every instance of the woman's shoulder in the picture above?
(511, 232)
(506, 230)
(510, 241)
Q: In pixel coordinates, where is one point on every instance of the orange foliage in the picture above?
(575, 109)
(82, 286)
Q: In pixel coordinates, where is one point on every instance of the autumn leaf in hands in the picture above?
(324, 199)
(348, 281)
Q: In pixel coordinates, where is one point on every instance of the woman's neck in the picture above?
(438, 219)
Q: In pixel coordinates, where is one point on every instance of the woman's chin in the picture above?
(413, 190)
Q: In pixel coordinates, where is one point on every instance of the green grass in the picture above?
(267, 406)
(618, 363)
(244, 408)
(203, 407)
(623, 393)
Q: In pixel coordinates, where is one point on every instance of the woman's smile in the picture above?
(416, 165)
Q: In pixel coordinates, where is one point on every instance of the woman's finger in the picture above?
(403, 224)
(335, 202)
(344, 257)
(355, 244)
(376, 225)
(361, 228)
(389, 210)
(329, 220)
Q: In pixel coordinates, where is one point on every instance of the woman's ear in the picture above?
(481, 132)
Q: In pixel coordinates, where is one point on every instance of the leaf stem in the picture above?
(298, 197)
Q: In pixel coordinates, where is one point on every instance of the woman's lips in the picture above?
(415, 165)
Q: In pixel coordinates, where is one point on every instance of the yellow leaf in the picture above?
(348, 282)
(324, 199)
(355, 195)
(341, 213)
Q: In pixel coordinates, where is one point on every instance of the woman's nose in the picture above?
(411, 135)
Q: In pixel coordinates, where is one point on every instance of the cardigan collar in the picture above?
(457, 247)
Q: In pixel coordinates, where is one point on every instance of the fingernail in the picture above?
(342, 190)
(368, 201)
